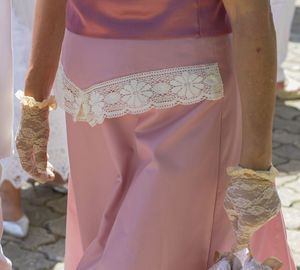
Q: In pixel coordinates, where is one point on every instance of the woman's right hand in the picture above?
(31, 142)
(251, 200)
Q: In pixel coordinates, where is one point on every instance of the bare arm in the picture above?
(33, 133)
(49, 28)
(254, 44)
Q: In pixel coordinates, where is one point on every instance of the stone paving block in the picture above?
(292, 126)
(3, 242)
(8, 238)
(26, 260)
(58, 205)
(292, 167)
(294, 38)
(282, 173)
(40, 194)
(37, 237)
(291, 218)
(288, 196)
(296, 205)
(286, 112)
(288, 151)
(294, 240)
(283, 137)
(56, 251)
(295, 185)
(294, 35)
(278, 160)
(296, 258)
(38, 215)
(285, 179)
(57, 226)
(275, 144)
(295, 103)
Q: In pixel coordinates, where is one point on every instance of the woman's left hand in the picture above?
(31, 141)
(251, 200)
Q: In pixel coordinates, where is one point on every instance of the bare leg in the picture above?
(11, 199)
(5, 264)
(11, 202)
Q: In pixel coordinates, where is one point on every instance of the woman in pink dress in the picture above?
(153, 120)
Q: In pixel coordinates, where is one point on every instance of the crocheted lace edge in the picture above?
(31, 102)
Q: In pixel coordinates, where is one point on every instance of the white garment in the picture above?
(6, 94)
(283, 12)
(57, 147)
(24, 11)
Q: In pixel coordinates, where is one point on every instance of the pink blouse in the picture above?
(145, 19)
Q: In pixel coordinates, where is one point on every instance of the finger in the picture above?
(231, 212)
(43, 167)
(40, 154)
(26, 159)
(50, 166)
(46, 174)
(43, 177)
(50, 172)
(40, 157)
(40, 180)
(25, 151)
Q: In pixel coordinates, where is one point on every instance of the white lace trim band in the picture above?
(139, 92)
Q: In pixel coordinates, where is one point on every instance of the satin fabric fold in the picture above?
(143, 19)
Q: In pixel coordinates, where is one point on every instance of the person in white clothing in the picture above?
(283, 13)
(6, 103)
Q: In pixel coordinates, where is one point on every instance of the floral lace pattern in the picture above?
(31, 142)
(251, 200)
(228, 262)
(139, 92)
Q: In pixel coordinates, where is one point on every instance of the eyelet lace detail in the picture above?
(139, 92)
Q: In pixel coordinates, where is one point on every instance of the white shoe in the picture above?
(61, 188)
(17, 228)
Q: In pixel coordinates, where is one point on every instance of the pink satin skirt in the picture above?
(146, 190)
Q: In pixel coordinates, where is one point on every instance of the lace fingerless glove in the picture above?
(251, 200)
(32, 137)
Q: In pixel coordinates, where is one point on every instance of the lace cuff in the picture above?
(239, 171)
(31, 102)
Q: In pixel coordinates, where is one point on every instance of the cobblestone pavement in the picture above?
(43, 248)
(286, 145)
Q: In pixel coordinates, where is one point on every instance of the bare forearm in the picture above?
(255, 58)
(49, 27)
